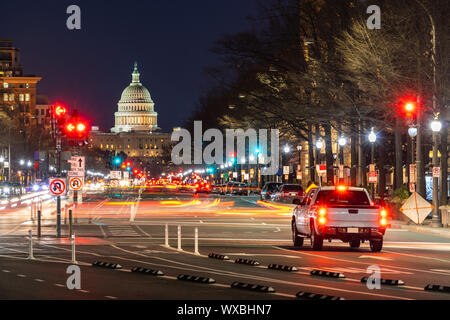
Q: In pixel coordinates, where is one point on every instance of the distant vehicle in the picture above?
(345, 213)
(268, 189)
(202, 187)
(230, 186)
(289, 192)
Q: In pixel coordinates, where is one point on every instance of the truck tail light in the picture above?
(383, 217)
(322, 215)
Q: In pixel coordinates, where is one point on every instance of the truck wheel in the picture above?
(355, 244)
(296, 239)
(316, 240)
(376, 245)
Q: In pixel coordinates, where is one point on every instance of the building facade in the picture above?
(17, 91)
(136, 131)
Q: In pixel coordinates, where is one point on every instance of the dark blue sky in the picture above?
(169, 39)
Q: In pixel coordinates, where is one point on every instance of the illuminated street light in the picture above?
(372, 136)
(287, 149)
(342, 141)
(436, 125)
(2, 159)
(243, 160)
(29, 163)
(319, 144)
(252, 158)
(412, 132)
(22, 162)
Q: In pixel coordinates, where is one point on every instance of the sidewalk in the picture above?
(424, 228)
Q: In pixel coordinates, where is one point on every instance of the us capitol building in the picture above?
(136, 130)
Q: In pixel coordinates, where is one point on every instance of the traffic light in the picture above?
(76, 129)
(59, 111)
(410, 109)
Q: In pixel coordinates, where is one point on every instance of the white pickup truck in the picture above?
(345, 213)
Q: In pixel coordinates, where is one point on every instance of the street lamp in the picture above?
(372, 139)
(287, 149)
(299, 149)
(342, 141)
(319, 144)
(436, 126)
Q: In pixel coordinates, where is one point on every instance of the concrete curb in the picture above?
(443, 232)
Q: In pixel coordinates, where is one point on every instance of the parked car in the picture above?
(289, 192)
(345, 213)
(268, 189)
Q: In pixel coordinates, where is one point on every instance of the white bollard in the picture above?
(196, 242)
(30, 235)
(166, 236)
(132, 213)
(179, 238)
(74, 261)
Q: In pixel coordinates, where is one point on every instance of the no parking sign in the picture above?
(57, 186)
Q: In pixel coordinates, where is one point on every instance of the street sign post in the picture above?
(77, 166)
(373, 177)
(115, 175)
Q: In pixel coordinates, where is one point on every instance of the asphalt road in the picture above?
(129, 229)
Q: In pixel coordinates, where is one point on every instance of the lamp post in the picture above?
(412, 132)
(299, 149)
(286, 150)
(436, 126)
(372, 139)
(342, 141)
(319, 146)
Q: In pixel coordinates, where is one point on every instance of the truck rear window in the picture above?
(342, 198)
(292, 188)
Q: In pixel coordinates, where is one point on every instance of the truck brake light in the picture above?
(322, 215)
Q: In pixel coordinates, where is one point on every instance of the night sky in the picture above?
(90, 67)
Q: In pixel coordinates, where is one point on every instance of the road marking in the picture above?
(39, 280)
(83, 291)
(249, 276)
(110, 297)
(59, 285)
(441, 270)
(21, 276)
(261, 254)
(6, 271)
(373, 257)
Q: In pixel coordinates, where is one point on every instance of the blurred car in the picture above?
(202, 187)
(230, 186)
(268, 190)
(289, 192)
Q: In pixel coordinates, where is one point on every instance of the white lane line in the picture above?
(111, 297)
(6, 271)
(59, 285)
(356, 262)
(373, 257)
(248, 276)
(38, 280)
(83, 291)
(21, 276)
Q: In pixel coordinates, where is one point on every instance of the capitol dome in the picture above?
(136, 108)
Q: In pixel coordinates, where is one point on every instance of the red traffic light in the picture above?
(76, 129)
(70, 127)
(81, 127)
(128, 164)
(60, 111)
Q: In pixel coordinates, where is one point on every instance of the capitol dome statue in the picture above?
(136, 108)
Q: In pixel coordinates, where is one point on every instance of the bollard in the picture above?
(179, 238)
(70, 223)
(74, 261)
(196, 242)
(30, 235)
(76, 217)
(39, 223)
(166, 242)
(131, 213)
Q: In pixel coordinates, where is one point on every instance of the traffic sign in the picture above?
(436, 172)
(416, 208)
(373, 177)
(321, 169)
(78, 165)
(286, 170)
(116, 175)
(76, 183)
(114, 183)
(57, 186)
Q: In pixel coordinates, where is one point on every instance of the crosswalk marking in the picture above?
(122, 231)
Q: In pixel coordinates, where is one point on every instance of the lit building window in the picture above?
(11, 97)
(5, 85)
(27, 97)
(21, 97)
(27, 85)
(101, 146)
(5, 97)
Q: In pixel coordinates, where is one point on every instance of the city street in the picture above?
(233, 226)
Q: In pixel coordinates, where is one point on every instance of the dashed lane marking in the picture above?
(38, 280)
(111, 297)
(6, 271)
(59, 285)
(21, 276)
